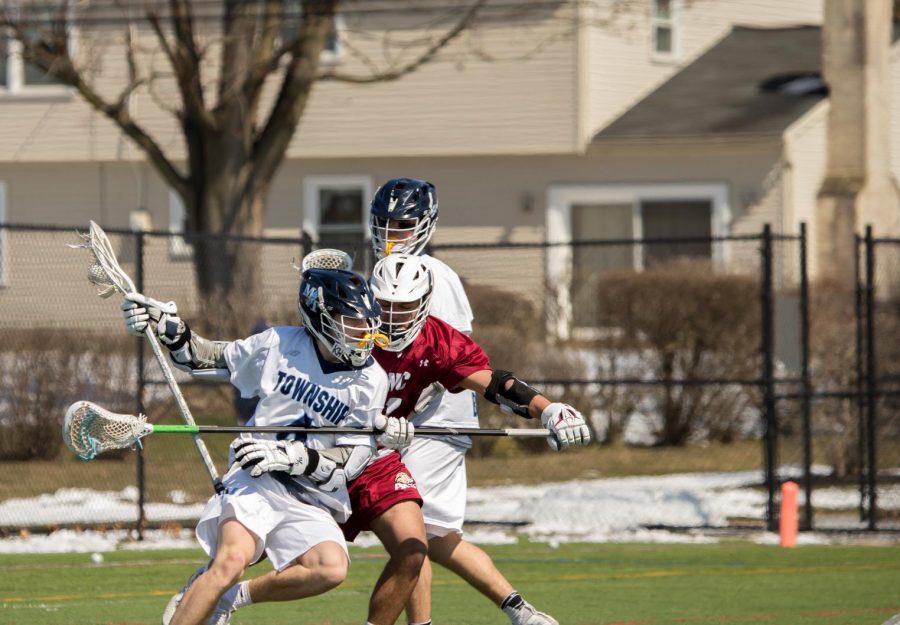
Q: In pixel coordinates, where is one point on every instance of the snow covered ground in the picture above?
(600, 510)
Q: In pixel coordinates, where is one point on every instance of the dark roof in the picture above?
(740, 86)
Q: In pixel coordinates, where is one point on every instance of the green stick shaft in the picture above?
(238, 429)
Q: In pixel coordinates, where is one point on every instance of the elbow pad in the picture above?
(514, 399)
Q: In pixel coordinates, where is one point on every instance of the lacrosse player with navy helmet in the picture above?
(402, 219)
(318, 374)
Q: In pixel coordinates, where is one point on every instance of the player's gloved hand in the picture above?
(431, 391)
(292, 457)
(396, 432)
(567, 426)
(140, 311)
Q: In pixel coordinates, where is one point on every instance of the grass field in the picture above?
(736, 583)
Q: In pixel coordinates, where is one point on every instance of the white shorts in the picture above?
(285, 528)
(439, 468)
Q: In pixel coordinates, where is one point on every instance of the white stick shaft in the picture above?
(183, 408)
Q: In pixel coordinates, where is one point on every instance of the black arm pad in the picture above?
(514, 399)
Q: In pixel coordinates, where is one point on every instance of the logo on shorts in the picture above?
(403, 481)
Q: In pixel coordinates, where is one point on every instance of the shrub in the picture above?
(681, 321)
(42, 372)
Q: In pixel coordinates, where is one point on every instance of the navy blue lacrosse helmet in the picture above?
(339, 309)
(402, 216)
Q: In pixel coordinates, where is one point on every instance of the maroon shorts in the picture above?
(384, 483)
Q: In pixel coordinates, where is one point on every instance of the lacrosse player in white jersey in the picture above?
(320, 374)
(402, 219)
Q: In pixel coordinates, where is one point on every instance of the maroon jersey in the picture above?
(440, 353)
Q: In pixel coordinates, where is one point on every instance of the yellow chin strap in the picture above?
(381, 340)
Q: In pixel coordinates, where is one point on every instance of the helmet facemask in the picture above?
(400, 236)
(402, 321)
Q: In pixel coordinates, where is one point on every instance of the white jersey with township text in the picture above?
(297, 387)
(450, 303)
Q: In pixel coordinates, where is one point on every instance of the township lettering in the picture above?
(312, 396)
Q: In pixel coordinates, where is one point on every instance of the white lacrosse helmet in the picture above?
(402, 284)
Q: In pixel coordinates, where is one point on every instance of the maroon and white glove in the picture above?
(567, 426)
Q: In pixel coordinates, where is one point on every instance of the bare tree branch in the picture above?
(464, 22)
(300, 75)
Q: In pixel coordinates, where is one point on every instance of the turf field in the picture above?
(736, 583)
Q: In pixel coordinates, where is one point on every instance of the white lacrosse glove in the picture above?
(396, 432)
(567, 426)
(431, 391)
(292, 457)
(140, 311)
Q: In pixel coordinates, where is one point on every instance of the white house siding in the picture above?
(483, 199)
(895, 111)
(621, 67)
(505, 87)
(806, 153)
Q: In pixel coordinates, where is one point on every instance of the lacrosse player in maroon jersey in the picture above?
(423, 350)
(402, 219)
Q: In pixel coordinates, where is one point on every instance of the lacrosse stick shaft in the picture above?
(184, 409)
(110, 274)
(423, 431)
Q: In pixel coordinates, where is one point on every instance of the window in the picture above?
(291, 22)
(663, 28)
(336, 215)
(624, 213)
(179, 248)
(4, 272)
(17, 75)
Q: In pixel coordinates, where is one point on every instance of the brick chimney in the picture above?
(858, 187)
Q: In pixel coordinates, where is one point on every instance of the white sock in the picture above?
(243, 595)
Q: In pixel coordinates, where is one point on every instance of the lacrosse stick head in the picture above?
(327, 258)
(89, 430)
(104, 272)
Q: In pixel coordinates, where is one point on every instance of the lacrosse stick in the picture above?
(90, 430)
(106, 274)
(327, 258)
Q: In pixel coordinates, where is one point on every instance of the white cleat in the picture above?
(525, 614)
(169, 612)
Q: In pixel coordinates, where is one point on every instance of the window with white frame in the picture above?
(4, 271)
(336, 215)
(664, 27)
(179, 248)
(665, 213)
(17, 74)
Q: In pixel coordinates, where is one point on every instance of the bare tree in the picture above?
(219, 58)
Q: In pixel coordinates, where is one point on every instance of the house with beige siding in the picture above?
(576, 121)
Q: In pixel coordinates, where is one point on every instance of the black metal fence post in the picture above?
(141, 483)
(768, 375)
(871, 381)
(806, 383)
(860, 381)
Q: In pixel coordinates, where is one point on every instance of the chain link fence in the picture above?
(685, 354)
